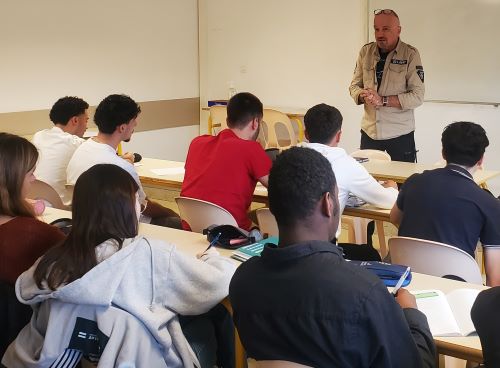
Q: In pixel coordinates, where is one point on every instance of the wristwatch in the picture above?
(385, 100)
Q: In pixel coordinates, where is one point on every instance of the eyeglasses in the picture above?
(385, 11)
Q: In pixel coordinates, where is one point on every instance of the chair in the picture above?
(201, 214)
(372, 154)
(217, 119)
(267, 222)
(278, 364)
(433, 258)
(357, 226)
(271, 120)
(42, 190)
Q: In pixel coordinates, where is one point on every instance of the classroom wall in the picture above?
(296, 54)
(146, 49)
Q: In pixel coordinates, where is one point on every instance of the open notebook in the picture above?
(448, 315)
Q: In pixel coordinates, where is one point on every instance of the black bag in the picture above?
(63, 224)
(231, 237)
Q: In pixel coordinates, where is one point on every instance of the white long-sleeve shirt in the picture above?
(352, 177)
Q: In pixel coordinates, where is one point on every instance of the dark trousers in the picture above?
(211, 336)
(361, 252)
(400, 148)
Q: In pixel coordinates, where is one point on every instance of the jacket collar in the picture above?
(460, 170)
(276, 254)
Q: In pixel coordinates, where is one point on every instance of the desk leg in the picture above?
(239, 351)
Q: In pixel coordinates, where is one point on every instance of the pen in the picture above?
(400, 281)
(214, 240)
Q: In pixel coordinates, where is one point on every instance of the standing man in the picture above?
(389, 81)
(57, 144)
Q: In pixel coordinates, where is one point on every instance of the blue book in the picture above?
(253, 250)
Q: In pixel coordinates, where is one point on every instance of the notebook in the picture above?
(448, 315)
(253, 250)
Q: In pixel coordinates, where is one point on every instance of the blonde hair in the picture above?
(18, 157)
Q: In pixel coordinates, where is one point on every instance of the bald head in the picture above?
(387, 30)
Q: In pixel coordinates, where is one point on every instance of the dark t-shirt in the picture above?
(447, 206)
(380, 67)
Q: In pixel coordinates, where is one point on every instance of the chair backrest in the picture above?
(218, 115)
(372, 154)
(42, 190)
(267, 222)
(201, 214)
(278, 364)
(433, 258)
(271, 120)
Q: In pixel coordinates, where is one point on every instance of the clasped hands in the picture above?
(371, 97)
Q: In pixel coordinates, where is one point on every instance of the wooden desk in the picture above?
(468, 348)
(174, 182)
(400, 171)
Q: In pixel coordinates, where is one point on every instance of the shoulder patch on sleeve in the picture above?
(420, 72)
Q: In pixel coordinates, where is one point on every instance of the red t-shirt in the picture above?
(22, 241)
(224, 170)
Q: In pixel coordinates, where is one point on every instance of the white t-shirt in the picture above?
(352, 177)
(92, 153)
(55, 147)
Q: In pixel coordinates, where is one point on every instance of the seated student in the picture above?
(484, 316)
(323, 125)
(57, 145)
(224, 169)
(116, 118)
(302, 302)
(104, 262)
(447, 206)
(23, 238)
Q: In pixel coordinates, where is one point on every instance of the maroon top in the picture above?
(22, 241)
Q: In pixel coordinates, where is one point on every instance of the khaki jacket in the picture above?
(403, 76)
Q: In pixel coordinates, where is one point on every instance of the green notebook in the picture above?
(253, 250)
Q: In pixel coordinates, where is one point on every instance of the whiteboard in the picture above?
(458, 41)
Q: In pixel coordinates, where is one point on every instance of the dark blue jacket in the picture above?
(304, 303)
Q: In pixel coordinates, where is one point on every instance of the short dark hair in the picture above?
(464, 143)
(103, 208)
(242, 108)
(298, 179)
(114, 111)
(322, 123)
(67, 107)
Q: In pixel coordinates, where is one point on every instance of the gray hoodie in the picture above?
(147, 278)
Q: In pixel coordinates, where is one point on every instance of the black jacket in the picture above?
(484, 315)
(304, 303)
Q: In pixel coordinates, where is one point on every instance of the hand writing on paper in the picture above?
(405, 299)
